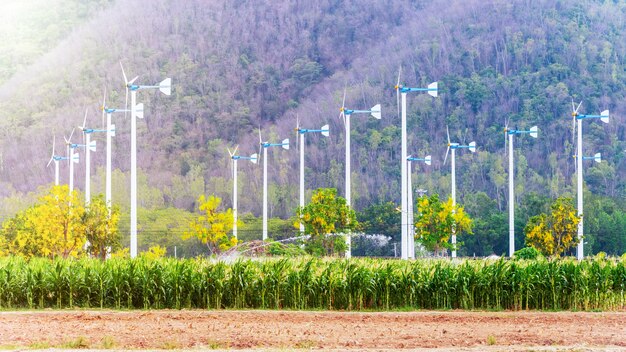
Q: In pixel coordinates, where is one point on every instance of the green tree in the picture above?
(101, 228)
(555, 233)
(436, 221)
(382, 219)
(213, 226)
(326, 214)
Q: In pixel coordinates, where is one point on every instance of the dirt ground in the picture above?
(287, 330)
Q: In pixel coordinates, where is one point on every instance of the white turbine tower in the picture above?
(345, 114)
(73, 158)
(454, 146)
(511, 132)
(165, 87)
(433, 91)
(56, 159)
(234, 157)
(301, 131)
(110, 129)
(411, 233)
(90, 146)
(263, 150)
(576, 117)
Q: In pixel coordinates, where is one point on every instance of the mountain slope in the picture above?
(240, 65)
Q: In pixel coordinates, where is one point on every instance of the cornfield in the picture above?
(311, 283)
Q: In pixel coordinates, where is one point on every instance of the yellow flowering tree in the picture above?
(213, 226)
(101, 228)
(326, 214)
(555, 233)
(435, 221)
(51, 228)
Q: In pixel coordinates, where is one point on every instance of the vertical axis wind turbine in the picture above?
(454, 146)
(110, 129)
(401, 90)
(511, 132)
(90, 146)
(345, 114)
(56, 159)
(576, 117)
(263, 149)
(234, 157)
(136, 110)
(411, 234)
(302, 131)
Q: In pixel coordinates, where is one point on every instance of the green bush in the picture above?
(528, 253)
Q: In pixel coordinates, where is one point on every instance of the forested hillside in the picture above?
(240, 65)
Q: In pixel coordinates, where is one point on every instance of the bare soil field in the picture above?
(288, 330)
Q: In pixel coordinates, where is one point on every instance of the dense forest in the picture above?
(238, 66)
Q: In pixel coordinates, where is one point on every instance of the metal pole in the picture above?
(56, 172)
(264, 193)
(235, 198)
(511, 199)
(133, 175)
(71, 169)
(348, 183)
(579, 162)
(107, 192)
(301, 179)
(403, 202)
(453, 201)
(410, 229)
(87, 169)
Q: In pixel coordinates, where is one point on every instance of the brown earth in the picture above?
(286, 330)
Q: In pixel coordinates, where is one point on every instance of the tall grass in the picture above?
(311, 283)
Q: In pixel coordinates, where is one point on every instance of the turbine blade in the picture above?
(578, 107)
(71, 134)
(446, 158)
(51, 159)
(124, 74)
(85, 118)
(343, 101)
(133, 80)
(448, 134)
(104, 97)
(236, 148)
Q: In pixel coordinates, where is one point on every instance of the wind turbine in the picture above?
(56, 159)
(454, 146)
(74, 158)
(345, 113)
(90, 146)
(302, 131)
(165, 87)
(411, 233)
(401, 90)
(511, 132)
(110, 129)
(604, 117)
(263, 150)
(234, 157)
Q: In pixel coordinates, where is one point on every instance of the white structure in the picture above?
(604, 117)
(345, 114)
(234, 157)
(74, 158)
(165, 87)
(511, 133)
(56, 159)
(454, 146)
(410, 223)
(301, 131)
(110, 129)
(90, 146)
(432, 90)
(264, 146)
